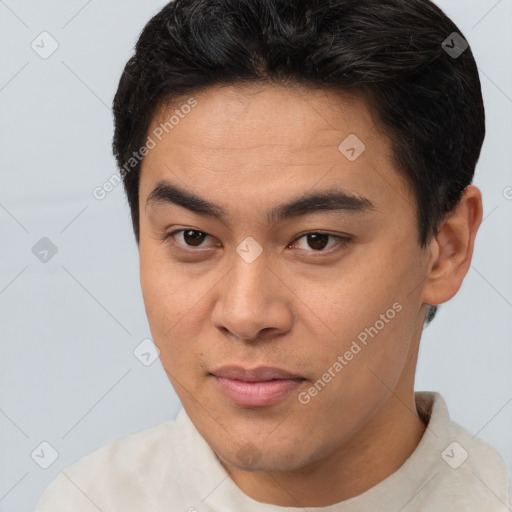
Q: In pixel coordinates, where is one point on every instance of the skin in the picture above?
(248, 149)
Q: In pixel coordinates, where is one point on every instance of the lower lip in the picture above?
(257, 394)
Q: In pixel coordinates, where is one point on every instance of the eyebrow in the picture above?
(331, 199)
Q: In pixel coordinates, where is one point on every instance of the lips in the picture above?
(263, 373)
(258, 387)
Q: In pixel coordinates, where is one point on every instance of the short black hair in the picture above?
(395, 53)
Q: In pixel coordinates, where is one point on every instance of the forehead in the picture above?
(303, 116)
(265, 140)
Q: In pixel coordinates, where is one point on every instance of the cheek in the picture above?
(166, 298)
(363, 318)
(345, 306)
(174, 300)
(165, 288)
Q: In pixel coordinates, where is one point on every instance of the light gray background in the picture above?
(68, 374)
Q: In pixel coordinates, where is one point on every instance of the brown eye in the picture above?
(317, 241)
(189, 237)
(321, 242)
(193, 238)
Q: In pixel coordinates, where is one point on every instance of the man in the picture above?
(299, 177)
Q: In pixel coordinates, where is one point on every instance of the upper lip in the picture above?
(262, 373)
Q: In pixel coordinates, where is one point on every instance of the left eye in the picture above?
(320, 241)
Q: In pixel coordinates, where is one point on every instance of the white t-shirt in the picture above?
(170, 467)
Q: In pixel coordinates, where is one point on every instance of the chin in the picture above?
(261, 454)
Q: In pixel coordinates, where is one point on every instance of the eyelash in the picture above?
(342, 241)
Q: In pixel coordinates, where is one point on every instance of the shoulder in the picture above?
(467, 471)
(478, 458)
(121, 473)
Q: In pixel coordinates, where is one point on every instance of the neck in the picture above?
(374, 453)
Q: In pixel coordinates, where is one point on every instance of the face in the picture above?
(280, 269)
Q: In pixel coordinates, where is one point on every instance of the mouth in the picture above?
(258, 387)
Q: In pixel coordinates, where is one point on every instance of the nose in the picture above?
(252, 299)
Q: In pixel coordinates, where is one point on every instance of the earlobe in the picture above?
(451, 250)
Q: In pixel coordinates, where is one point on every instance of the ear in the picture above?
(451, 249)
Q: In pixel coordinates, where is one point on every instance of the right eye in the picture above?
(189, 237)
